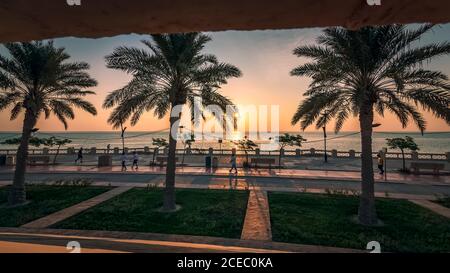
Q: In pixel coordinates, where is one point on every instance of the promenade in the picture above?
(256, 236)
(274, 179)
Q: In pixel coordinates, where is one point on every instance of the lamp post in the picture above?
(123, 136)
(325, 156)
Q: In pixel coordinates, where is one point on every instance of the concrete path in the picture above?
(15, 247)
(152, 243)
(257, 218)
(406, 191)
(392, 177)
(58, 216)
(441, 210)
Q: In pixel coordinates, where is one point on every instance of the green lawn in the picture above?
(445, 201)
(204, 212)
(44, 200)
(328, 220)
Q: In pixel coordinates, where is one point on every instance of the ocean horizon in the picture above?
(430, 142)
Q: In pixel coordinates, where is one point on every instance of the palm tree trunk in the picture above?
(367, 212)
(17, 194)
(169, 192)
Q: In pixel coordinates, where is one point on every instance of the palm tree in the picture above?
(371, 70)
(38, 79)
(174, 71)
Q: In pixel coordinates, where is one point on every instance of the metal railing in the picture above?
(227, 152)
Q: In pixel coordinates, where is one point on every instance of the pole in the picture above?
(384, 154)
(385, 165)
(325, 136)
(325, 143)
(123, 136)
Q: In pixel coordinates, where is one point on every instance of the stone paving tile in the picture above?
(58, 216)
(257, 218)
(392, 177)
(436, 208)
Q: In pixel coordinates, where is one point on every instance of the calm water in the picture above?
(433, 142)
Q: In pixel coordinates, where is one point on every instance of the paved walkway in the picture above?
(257, 218)
(266, 183)
(151, 242)
(16, 247)
(441, 210)
(393, 177)
(58, 216)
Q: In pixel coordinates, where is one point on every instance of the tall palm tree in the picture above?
(172, 71)
(38, 79)
(371, 70)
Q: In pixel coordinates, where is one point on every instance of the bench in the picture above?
(436, 167)
(163, 159)
(262, 160)
(33, 160)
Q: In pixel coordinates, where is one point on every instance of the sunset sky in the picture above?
(264, 57)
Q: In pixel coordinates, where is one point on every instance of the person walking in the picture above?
(380, 162)
(135, 161)
(80, 156)
(123, 158)
(233, 163)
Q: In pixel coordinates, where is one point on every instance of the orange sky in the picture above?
(265, 58)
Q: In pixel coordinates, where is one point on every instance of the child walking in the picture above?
(380, 161)
(233, 163)
(135, 161)
(123, 158)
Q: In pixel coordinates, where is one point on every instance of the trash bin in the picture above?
(2, 160)
(10, 160)
(215, 162)
(208, 161)
(105, 161)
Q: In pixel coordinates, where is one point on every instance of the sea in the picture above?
(431, 142)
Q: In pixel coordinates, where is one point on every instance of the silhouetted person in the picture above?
(123, 158)
(80, 156)
(380, 162)
(233, 163)
(135, 161)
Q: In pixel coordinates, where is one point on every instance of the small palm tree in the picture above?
(371, 70)
(58, 142)
(286, 140)
(403, 144)
(158, 143)
(38, 79)
(173, 72)
(246, 145)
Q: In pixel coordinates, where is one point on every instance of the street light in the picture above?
(122, 135)
(325, 143)
(325, 156)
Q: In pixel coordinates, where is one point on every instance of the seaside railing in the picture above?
(226, 152)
